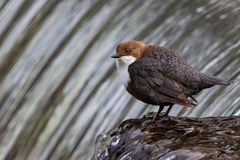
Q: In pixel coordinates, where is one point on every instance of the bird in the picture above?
(160, 76)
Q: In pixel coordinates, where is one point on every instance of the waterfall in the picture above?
(58, 85)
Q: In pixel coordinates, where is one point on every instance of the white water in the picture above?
(58, 85)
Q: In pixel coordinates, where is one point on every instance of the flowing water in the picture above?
(59, 86)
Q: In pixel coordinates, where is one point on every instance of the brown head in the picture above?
(127, 53)
(133, 49)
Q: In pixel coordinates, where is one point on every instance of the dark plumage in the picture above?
(161, 76)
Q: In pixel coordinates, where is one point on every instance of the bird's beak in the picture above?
(115, 56)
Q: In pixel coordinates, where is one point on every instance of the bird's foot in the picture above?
(155, 118)
(163, 116)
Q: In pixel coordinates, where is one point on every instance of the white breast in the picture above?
(122, 67)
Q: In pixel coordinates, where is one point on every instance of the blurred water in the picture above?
(58, 85)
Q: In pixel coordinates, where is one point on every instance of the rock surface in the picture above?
(173, 138)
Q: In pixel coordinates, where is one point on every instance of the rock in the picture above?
(174, 138)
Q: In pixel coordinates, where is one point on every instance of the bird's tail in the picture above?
(209, 81)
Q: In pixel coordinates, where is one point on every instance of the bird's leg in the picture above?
(158, 113)
(169, 109)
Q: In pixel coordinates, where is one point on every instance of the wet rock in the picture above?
(173, 138)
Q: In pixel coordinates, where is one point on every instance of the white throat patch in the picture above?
(122, 67)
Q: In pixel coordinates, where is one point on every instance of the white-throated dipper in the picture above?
(160, 76)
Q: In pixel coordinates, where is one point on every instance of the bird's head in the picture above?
(130, 51)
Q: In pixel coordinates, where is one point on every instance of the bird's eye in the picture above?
(130, 50)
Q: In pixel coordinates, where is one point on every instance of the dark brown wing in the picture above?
(147, 76)
(176, 68)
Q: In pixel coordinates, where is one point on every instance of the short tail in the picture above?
(209, 81)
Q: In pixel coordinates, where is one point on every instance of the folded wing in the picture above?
(149, 74)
